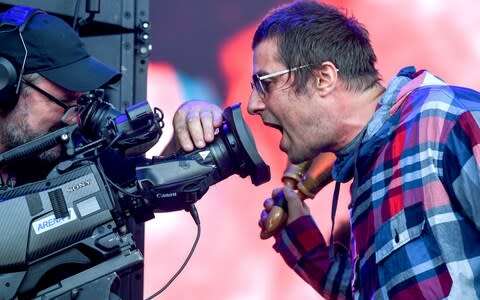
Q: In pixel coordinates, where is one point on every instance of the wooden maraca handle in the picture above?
(317, 176)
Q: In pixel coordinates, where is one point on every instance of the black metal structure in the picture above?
(117, 33)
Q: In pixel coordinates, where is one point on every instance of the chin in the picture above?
(295, 159)
(299, 157)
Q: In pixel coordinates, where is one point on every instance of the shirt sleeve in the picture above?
(461, 165)
(302, 246)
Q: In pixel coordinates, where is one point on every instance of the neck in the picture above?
(372, 98)
(358, 111)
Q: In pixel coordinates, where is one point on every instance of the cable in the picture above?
(75, 15)
(194, 213)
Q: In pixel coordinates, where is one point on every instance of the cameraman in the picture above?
(51, 69)
(44, 69)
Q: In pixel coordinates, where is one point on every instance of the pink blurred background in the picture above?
(231, 262)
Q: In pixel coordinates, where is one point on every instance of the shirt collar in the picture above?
(398, 88)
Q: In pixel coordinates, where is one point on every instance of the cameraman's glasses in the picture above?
(71, 112)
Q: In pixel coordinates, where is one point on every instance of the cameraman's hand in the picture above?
(195, 122)
(296, 207)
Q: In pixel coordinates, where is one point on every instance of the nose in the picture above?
(255, 103)
(71, 115)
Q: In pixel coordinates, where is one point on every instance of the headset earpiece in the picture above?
(8, 84)
(16, 18)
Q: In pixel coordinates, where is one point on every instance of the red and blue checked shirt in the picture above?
(415, 210)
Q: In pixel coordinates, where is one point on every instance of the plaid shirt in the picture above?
(415, 218)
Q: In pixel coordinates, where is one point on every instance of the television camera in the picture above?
(66, 236)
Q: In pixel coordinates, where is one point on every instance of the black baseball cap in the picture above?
(55, 51)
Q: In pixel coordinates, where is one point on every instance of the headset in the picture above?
(14, 19)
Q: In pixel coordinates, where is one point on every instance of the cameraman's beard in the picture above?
(14, 133)
(18, 134)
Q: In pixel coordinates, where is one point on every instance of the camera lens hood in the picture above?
(252, 164)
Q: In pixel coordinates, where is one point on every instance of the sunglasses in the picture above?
(263, 88)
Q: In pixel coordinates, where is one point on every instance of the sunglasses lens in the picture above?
(257, 85)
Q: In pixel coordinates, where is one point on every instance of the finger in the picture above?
(195, 128)
(268, 203)
(275, 192)
(296, 207)
(182, 136)
(206, 118)
(263, 217)
(212, 120)
(217, 114)
(291, 195)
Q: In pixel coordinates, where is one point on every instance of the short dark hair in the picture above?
(310, 33)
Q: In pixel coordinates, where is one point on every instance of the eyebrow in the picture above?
(261, 73)
(71, 96)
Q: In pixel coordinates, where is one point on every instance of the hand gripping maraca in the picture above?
(308, 178)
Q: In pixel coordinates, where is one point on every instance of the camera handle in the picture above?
(62, 136)
(94, 283)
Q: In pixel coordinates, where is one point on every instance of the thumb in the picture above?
(296, 207)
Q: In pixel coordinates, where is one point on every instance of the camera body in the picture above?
(66, 236)
(38, 247)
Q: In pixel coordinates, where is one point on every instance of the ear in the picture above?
(326, 78)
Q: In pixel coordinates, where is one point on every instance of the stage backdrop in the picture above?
(201, 49)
